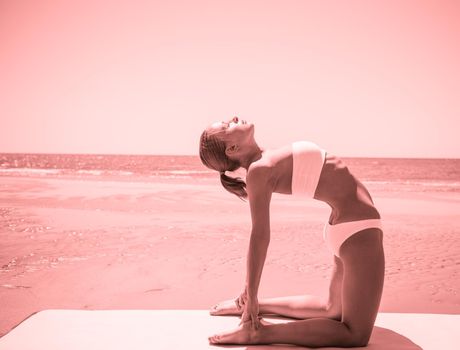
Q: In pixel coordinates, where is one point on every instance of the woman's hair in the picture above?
(212, 155)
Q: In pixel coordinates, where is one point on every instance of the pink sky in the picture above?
(361, 78)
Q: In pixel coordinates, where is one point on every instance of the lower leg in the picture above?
(316, 332)
(300, 307)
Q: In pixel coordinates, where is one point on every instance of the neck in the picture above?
(254, 154)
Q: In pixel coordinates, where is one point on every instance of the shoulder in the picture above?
(259, 179)
(258, 171)
(259, 168)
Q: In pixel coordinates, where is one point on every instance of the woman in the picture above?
(353, 234)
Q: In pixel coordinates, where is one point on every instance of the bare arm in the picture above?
(259, 192)
(257, 252)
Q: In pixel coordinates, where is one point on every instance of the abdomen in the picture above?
(336, 182)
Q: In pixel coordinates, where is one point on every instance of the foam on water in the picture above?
(386, 173)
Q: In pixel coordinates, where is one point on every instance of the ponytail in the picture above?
(234, 185)
(212, 155)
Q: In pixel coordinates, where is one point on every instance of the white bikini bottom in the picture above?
(335, 235)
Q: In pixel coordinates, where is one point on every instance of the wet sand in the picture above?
(181, 244)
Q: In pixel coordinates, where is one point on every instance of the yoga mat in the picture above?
(189, 329)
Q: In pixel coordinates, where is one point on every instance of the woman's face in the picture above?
(234, 130)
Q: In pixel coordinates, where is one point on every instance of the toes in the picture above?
(214, 339)
(214, 310)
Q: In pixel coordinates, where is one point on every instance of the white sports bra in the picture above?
(307, 163)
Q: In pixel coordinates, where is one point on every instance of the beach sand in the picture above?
(84, 243)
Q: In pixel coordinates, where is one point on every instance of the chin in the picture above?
(251, 129)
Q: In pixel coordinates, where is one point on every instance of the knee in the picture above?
(358, 338)
(360, 341)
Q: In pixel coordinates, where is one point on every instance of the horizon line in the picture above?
(196, 155)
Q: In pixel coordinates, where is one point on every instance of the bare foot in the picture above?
(224, 308)
(244, 334)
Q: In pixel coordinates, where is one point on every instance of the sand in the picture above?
(69, 243)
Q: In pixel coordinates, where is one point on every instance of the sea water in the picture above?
(388, 174)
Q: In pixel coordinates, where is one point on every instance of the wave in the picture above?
(433, 183)
(183, 172)
(45, 172)
(398, 184)
(97, 172)
(414, 185)
(31, 171)
(102, 172)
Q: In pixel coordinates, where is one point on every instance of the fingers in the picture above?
(240, 302)
(244, 318)
(255, 322)
(244, 297)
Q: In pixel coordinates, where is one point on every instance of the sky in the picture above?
(359, 78)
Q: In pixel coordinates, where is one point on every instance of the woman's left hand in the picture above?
(251, 313)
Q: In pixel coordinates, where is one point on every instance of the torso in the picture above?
(339, 188)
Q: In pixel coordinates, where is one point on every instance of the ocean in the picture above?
(389, 174)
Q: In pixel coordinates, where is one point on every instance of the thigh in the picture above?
(335, 288)
(364, 268)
